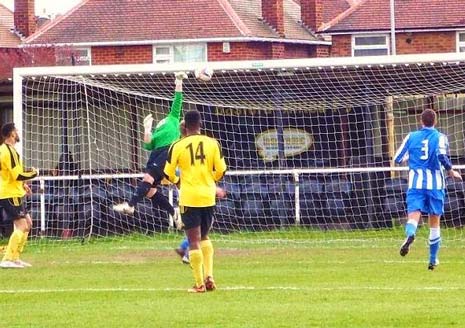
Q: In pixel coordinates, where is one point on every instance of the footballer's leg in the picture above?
(160, 200)
(144, 186)
(142, 189)
(207, 248)
(415, 203)
(436, 206)
(26, 231)
(192, 221)
(14, 213)
(410, 229)
(434, 241)
(183, 251)
(156, 172)
(12, 250)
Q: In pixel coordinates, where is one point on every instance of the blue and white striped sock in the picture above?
(411, 228)
(434, 244)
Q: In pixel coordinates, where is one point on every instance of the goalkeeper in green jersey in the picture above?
(158, 142)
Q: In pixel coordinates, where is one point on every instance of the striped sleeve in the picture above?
(219, 163)
(402, 151)
(171, 164)
(443, 144)
(10, 161)
(443, 151)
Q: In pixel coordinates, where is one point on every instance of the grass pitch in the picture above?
(142, 283)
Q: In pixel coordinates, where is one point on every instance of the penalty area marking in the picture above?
(228, 289)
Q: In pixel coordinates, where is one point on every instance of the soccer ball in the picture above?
(204, 74)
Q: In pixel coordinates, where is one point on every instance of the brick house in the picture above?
(9, 43)
(14, 27)
(362, 27)
(130, 32)
(191, 30)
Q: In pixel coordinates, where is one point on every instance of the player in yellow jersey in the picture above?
(12, 191)
(201, 164)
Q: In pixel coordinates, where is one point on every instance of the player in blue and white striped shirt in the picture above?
(426, 153)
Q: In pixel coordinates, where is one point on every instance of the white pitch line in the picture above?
(230, 288)
(144, 261)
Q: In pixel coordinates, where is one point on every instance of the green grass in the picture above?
(141, 283)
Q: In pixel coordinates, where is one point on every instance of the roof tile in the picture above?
(146, 20)
(373, 15)
(7, 38)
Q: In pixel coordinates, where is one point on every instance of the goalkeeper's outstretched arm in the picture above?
(176, 106)
(173, 116)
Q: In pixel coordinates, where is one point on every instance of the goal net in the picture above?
(308, 143)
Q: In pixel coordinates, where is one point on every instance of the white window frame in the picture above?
(170, 56)
(89, 53)
(458, 42)
(370, 47)
(66, 53)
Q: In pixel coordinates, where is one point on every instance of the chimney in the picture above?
(273, 14)
(312, 13)
(24, 16)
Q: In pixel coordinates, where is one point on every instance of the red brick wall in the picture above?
(406, 43)
(342, 46)
(239, 51)
(122, 55)
(264, 50)
(320, 51)
(278, 50)
(14, 57)
(426, 42)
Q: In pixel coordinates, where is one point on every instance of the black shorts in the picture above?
(197, 216)
(12, 209)
(156, 164)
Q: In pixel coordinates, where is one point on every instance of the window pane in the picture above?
(81, 56)
(371, 52)
(162, 50)
(162, 61)
(370, 40)
(73, 56)
(462, 37)
(189, 53)
(462, 49)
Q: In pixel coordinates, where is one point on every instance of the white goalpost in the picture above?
(309, 143)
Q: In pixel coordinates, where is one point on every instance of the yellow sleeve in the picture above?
(17, 172)
(5, 161)
(171, 164)
(220, 163)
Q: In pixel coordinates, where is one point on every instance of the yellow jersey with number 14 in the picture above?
(201, 164)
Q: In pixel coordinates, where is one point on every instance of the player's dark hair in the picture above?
(428, 118)
(192, 120)
(7, 128)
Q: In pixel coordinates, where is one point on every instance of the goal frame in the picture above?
(225, 66)
(246, 65)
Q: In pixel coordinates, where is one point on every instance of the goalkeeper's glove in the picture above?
(180, 76)
(148, 122)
